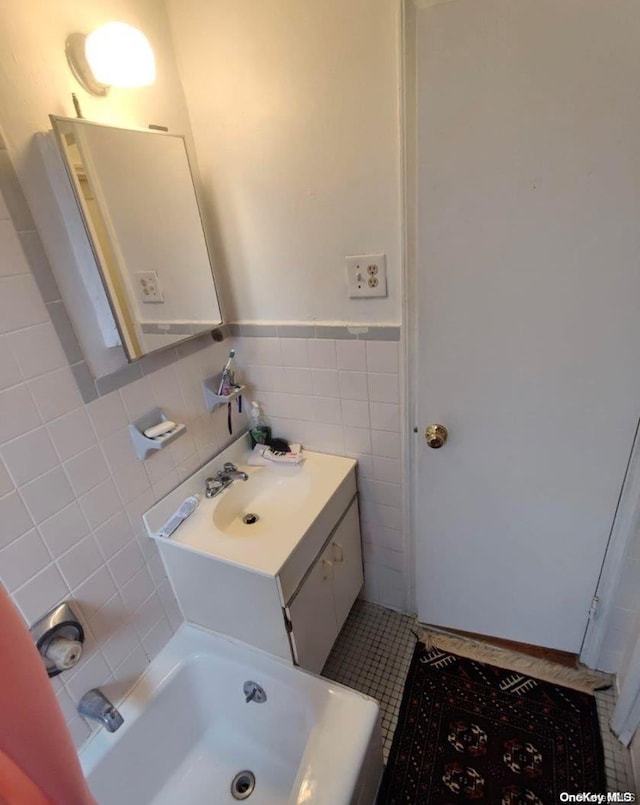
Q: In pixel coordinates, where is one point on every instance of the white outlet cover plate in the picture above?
(362, 272)
(148, 287)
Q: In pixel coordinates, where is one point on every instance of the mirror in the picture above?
(137, 200)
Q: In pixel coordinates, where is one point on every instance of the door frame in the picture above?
(626, 520)
(407, 10)
(624, 527)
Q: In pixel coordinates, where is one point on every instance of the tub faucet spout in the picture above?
(95, 705)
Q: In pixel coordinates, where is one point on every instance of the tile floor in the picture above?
(373, 653)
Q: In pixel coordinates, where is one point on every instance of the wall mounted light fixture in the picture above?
(114, 55)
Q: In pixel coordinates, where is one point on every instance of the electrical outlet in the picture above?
(149, 288)
(366, 275)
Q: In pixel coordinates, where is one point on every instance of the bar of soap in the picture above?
(155, 431)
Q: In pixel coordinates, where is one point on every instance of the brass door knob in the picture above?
(436, 436)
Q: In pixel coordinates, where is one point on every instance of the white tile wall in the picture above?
(71, 489)
(343, 396)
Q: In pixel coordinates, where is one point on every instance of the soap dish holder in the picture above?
(143, 445)
(212, 399)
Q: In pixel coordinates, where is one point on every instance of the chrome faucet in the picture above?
(95, 705)
(224, 478)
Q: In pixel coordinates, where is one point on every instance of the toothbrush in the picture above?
(179, 516)
(225, 380)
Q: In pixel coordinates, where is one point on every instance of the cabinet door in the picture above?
(346, 553)
(312, 615)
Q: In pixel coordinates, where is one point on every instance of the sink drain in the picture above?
(243, 784)
(250, 519)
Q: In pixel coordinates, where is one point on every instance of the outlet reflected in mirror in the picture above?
(135, 192)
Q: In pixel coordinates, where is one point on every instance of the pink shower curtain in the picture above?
(38, 761)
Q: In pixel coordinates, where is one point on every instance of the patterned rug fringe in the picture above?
(576, 678)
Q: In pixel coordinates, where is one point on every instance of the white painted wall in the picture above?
(294, 108)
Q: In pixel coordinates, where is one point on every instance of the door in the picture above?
(346, 552)
(528, 301)
(313, 617)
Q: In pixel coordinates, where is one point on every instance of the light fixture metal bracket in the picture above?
(74, 50)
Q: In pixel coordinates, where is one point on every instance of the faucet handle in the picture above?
(213, 485)
(229, 467)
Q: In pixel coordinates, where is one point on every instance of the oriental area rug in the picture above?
(470, 732)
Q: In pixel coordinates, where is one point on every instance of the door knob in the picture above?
(436, 436)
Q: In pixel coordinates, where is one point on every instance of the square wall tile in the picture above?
(126, 563)
(114, 534)
(325, 382)
(327, 410)
(297, 381)
(18, 413)
(37, 350)
(9, 372)
(22, 559)
(383, 356)
(14, 517)
(355, 413)
(47, 495)
(6, 484)
(384, 388)
(137, 589)
(357, 440)
(72, 433)
(108, 414)
(385, 416)
(55, 393)
(29, 456)
(293, 352)
(352, 355)
(94, 592)
(64, 529)
(386, 444)
(42, 592)
(322, 353)
(80, 562)
(101, 503)
(20, 303)
(353, 385)
(86, 470)
(132, 480)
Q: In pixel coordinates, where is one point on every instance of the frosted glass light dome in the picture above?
(120, 56)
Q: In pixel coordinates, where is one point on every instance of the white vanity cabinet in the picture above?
(318, 609)
(285, 584)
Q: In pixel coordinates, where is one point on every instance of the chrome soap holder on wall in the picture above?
(146, 446)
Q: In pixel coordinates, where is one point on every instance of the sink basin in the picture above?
(271, 497)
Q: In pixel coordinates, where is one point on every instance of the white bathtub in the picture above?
(188, 731)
